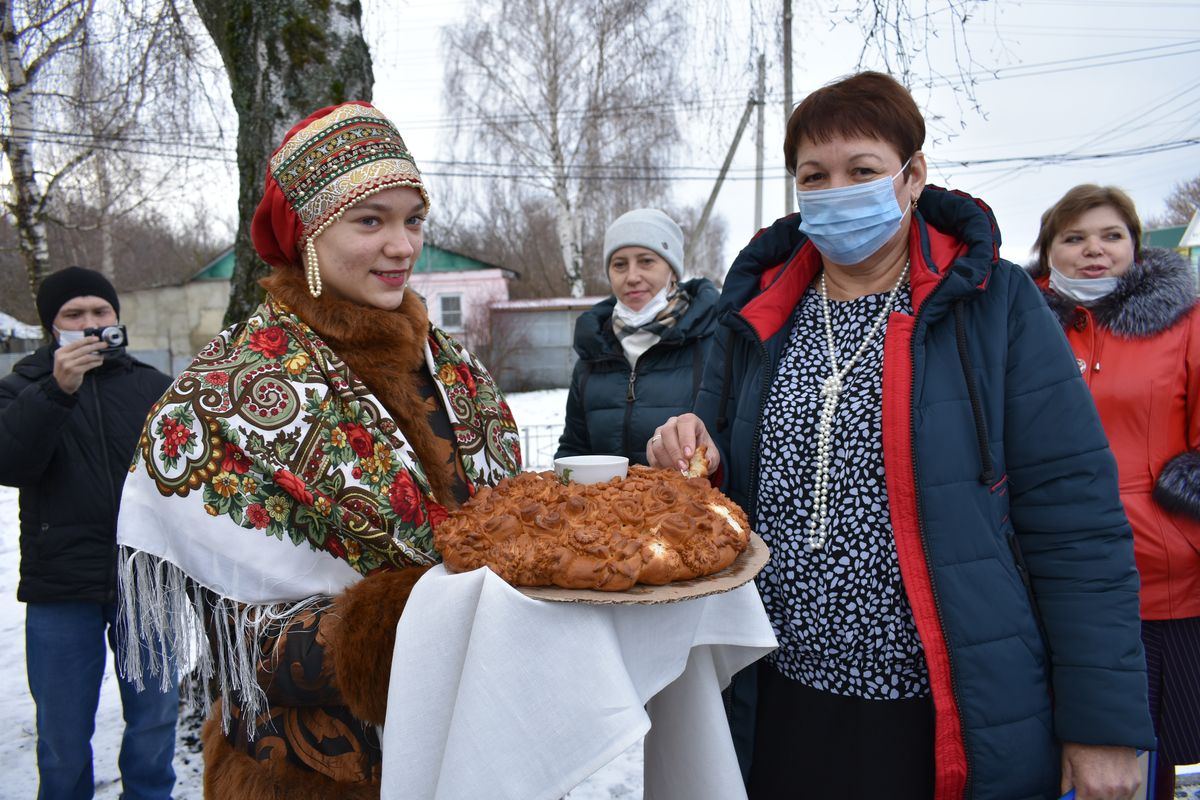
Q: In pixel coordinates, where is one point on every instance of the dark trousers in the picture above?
(65, 656)
(812, 744)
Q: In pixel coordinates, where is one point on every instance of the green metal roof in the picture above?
(435, 259)
(1163, 237)
(219, 269)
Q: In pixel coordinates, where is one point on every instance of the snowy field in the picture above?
(622, 779)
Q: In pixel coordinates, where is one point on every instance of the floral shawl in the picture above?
(269, 477)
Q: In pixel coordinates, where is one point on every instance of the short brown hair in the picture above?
(867, 104)
(1079, 201)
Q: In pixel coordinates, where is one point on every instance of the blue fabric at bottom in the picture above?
(65, 657)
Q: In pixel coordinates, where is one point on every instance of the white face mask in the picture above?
(635, 319)
(1084, 291)
(66, 337)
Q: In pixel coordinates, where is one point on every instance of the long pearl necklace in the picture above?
(831, 391)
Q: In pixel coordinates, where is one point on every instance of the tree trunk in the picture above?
(285, 59)
(567, 227)
(27, 200)
(108, 267)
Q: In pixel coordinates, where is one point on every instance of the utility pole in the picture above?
(788, 198)
(712, 198)
(758, 142)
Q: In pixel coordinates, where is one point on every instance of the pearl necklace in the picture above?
(831, 391)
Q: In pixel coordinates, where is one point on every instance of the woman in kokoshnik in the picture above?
(286, 487)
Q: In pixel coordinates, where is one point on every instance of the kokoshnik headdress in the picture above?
(328, 162)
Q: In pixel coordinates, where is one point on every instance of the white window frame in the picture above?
(442, 312)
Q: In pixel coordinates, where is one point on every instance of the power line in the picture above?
(627, 172)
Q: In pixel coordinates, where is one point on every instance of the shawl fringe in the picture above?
(162, 606)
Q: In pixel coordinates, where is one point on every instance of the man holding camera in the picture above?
(70, 417)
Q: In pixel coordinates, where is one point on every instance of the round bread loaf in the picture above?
(654, 526)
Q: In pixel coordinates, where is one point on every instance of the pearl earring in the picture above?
(312, 269)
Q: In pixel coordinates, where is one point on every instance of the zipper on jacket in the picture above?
(112, 491)
(937, 601)
(630, 398)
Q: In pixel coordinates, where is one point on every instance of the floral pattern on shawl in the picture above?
(271, 431)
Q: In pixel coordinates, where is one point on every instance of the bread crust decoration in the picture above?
(654, 526)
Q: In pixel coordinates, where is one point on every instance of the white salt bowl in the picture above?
(591, 469)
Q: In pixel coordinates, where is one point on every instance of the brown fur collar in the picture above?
(230, 775)
(386, 349)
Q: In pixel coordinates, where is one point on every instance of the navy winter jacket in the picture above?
(69, 454)
(1015, 552)
(613, 409)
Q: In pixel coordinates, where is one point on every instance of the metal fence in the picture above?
(538, 443)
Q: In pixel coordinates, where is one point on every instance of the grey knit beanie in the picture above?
(648, 228)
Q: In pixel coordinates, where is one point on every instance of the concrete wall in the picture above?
(175, 320)
(533, 347)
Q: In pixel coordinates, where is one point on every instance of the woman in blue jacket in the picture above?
(641, 351)
(951, 577)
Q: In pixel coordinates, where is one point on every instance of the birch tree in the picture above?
(566, 89)
(83, 84)
(285, 59)
(31, 38)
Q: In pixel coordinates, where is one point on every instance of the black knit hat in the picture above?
(69, 283)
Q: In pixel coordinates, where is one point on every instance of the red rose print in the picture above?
(258, 515)
(359, 438)
(356, 472)
(174, 436)
(236, 460)
(169, 445)
(271, 342)
(293, 486)
(437, 513)
(464, 375)
(217, 378)
(405, 499)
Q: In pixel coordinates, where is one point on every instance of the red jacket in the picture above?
(1139, 352)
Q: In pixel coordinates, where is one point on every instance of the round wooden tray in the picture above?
(740, 572)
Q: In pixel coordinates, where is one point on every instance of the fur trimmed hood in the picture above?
(1150, 297)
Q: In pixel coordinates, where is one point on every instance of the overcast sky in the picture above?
(1055, 78)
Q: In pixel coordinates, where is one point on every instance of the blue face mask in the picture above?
(850, 223)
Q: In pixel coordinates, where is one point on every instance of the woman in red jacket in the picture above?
(1132, 318)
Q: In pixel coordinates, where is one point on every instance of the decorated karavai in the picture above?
(287, 485)
(951, 576)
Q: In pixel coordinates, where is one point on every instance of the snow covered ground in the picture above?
(620, 780)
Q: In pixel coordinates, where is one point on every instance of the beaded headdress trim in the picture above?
(336, 160)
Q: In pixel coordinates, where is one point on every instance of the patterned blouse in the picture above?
(841, 615)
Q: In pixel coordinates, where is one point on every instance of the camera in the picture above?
(112, 335)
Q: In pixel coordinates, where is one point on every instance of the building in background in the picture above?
(532, 344)
(1183, 239)
(458, 291)
(169, 324)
